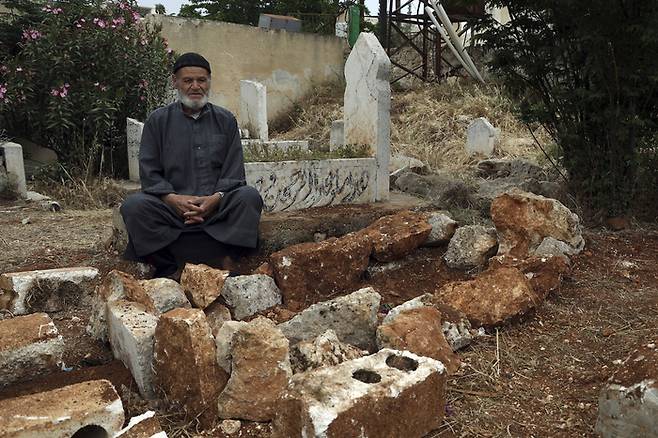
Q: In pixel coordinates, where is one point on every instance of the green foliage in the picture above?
(248, 11)
(587, 72)
(71, 72)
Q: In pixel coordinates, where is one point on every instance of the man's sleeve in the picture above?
(151, 172)
(232, 174)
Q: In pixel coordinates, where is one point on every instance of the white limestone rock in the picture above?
(471, 247)
(443, 228)
(165, 294)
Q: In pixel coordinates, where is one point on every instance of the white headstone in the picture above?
(13, 153)
(368, 104)
(481, 138)
(253, 108)
(134, 135)
(337, 135)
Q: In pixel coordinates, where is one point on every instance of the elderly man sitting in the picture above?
(195, 205)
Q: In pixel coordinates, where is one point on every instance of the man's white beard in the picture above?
(193, 104)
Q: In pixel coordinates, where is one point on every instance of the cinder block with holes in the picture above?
(388, 394)
(91, 409)
(29, 346)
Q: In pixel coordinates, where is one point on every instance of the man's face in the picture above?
(193, 86)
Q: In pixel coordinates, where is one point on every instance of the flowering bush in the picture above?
(74, 71)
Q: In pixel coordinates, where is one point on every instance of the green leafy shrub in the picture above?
(587, 72)
(72, 71)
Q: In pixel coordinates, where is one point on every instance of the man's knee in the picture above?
(249, 196)
(136, 203)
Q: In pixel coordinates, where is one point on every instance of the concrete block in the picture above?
(134, 130)
(202, 284)
(142, 426)
(13, 153)
(481, 137)
(92, 408)
(353, 318)
(389, 394)
(184, 364)
(29, 346)
(45, 290)
(337, 135)
(249, 294)
(628, 404)
(131, 331)
(296, 185)
(367, 107)
(253, 108)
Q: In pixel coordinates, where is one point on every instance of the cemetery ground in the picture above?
(536, 377)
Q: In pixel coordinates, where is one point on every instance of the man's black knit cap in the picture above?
(191, 59)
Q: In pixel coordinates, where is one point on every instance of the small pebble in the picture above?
(25, 221)
(230, 427)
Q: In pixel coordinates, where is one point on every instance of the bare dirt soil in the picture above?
(539, 377)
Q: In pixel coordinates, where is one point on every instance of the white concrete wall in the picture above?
(287, 63)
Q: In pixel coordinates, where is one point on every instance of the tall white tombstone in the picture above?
(481, 137)
(253, 109)
(134, 136)
(13, 154)
(368, 104)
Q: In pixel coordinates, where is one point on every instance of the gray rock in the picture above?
(490, 189)
(502, 168)
(352, 317)
(249, 294)
(628, 404)
(471, 247)
(325, 350)
(224, 342)
(166, 294)
(443, 228)
(553, 247)
(444, 190)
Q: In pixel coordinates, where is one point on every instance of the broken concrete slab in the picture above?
(443, 228)
(29, 346)
(184, 364)
(260, 370)
(325, 350)
(250, 294)
(202, 284)
(259, 147)
(368, 104)
(471, 246)
(131, 330)
(323, 268)
(419, 331)
(142, 426)
(493, 298)
(396, 236)
(523, 220)
(352, 317)
(45, 290)
(388, 394)
(92, 406)
(628, 404)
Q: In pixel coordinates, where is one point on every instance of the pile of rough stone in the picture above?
(335, 368)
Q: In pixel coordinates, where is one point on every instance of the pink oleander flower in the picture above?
(136, 17)
(142, 98)
(143, 83)
(119, 21)
(124, 6)
(31, 34)
(3, 92)
(4, 69)
(62, 91)
(57, 11)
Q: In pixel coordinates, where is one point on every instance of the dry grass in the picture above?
(428, 122)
